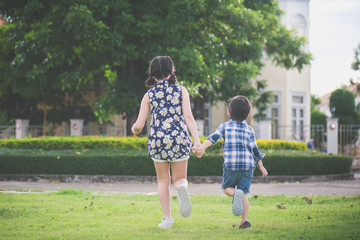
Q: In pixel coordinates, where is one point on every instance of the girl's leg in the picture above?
(179, 173)
(163, 179)
(245, 203)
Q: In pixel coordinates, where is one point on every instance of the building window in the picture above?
(273, 114)
(299, 23)
(298, 117)
(298, 99)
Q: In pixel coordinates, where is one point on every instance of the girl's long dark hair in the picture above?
(161, 67)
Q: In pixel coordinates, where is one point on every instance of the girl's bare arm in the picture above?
(189, 118)
(143, 115)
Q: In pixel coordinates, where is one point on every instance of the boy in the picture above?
(241, 156)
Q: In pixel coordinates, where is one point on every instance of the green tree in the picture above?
(23, 85)
(314, 102)
(64, 46)
(344, 103)
(317, 117)
(356, 64)
(356, 67)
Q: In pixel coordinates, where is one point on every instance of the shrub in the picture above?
(78, 162)
(281, 145)
(272, 144)
(92, 142)
(52, 143)
(299, 164)
(134, 162)
(318, 118)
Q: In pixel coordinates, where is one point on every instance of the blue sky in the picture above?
(334, 34)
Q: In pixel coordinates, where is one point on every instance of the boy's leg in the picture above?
(245, 203)
(238, 199)
(179, 174)
(163, 179)
(244, 184)
(229, 191)
(230, 180)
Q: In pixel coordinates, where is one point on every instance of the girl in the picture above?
(169, 142)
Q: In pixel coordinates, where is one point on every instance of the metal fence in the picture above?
(9, 131)
(104, 130)
(38, 130)
(314, 133)
(349, 140)
(318, 137)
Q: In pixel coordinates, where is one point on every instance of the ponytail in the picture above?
(150, 81)
(172, 79)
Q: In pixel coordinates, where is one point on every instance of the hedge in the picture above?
(289, 165)
(92, 142)
(49, 143)
(110, 162)
(75, 162)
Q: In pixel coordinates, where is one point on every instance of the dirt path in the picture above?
(347, 188)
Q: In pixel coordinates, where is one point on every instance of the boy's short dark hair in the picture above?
(239, 108)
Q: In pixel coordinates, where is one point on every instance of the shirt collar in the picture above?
(162, 82)
(242, 122)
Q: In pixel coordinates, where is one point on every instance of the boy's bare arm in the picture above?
(262, 168)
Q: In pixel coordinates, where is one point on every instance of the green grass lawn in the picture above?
(71, 214)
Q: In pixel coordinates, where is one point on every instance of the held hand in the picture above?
(197, 153)
(198, 150)
(196, 147)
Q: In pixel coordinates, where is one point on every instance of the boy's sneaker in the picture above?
(166, 223)
(237, 206)
(245, 225)
(184, 201)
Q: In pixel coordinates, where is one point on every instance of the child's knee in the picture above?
(229, 191)
(164, 181)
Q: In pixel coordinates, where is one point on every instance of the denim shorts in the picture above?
(237, 179)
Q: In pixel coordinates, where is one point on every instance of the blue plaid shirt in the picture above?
(239, 145)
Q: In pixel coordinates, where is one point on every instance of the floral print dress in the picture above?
(168, 135)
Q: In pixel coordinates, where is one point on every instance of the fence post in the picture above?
(264, 129)
(76, 127)
(21, 127)
(332, 127)
(200, 127)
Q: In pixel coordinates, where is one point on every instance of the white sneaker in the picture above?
(237, 206)
(184, 201)
(166, 223)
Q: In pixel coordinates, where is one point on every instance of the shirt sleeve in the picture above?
(217, 135)
(255, 150)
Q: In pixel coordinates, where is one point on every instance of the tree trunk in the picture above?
(130, 120)
(97, 88)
